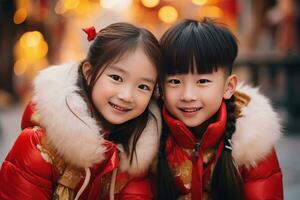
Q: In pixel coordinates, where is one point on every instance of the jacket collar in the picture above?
(258, 127)
(81, 144)
(185, 138)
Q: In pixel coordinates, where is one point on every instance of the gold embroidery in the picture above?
(56, 159)
(241, 100)
(208, 155)
(184, 172)
(69, 175)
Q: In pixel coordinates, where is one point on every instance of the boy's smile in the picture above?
(195, 98)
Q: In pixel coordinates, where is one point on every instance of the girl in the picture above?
(89, 132)
(216, 143)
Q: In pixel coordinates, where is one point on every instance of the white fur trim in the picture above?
(146, 147)
(81, 144)
(257, 130)
(78, 143)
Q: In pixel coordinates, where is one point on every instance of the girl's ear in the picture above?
(230, 86)
(86, 70)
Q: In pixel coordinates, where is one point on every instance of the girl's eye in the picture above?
(144, 87)
(174, 81)
(116, 78)
(203, 81)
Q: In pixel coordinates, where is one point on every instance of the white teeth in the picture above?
(190, 109)
(118, 107)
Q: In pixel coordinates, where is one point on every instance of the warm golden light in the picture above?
(20, 67)
(116, 4)
(85, 7)
(31, 39)
(31, 46)
(150, 3)
(70, 4)
(210, 11)
(168, 14)
(199, 2)
(20, 16)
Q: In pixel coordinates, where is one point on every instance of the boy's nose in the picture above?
(188, 94)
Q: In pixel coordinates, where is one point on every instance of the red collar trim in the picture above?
(185, 138)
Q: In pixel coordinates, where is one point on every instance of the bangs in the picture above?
(197, 48)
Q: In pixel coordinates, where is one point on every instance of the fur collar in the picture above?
(257, 130)
(55, 91)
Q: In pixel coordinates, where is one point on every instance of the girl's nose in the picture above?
(126, 94)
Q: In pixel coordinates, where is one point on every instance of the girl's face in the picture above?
(123, 90)
(195, 98)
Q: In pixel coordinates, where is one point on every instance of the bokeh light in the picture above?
(20, 16)
(117, 5)
(150, 3)
(199, 2)
(168, 14)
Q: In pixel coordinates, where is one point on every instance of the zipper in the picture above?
(196, 149)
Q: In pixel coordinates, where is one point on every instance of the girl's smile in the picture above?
(124, 88)
(119, 109)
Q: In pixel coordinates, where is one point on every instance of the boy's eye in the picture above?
(203, 81)
(174, 81)
(144, 87)
(116, 78)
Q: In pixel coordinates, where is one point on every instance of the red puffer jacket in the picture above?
(257, 130)
(71, 159)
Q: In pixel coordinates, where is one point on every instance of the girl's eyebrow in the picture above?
(149, 80)
(114, 67)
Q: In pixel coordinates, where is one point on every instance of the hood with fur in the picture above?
(62, 111)
(257, 129)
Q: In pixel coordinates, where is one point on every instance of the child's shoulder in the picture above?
(258, 126)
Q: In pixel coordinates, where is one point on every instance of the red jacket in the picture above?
(71, 159)
(257, 130)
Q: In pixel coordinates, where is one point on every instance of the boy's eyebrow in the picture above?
(114, 67)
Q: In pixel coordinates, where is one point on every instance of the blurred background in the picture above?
(37, 33)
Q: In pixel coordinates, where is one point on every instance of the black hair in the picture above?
(110, 44)
(197, 47)
(201, 47)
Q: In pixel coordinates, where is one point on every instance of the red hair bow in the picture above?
(91, 33)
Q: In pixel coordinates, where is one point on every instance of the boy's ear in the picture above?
(230, 86)
(86, 70)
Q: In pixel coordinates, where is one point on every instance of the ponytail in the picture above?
(226, 180)
(166, 188)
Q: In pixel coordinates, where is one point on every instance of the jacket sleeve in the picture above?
(265, 180)
(24, 173)
(137, 189)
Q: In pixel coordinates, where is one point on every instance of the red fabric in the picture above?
(91, 33)
(265, 180)
(183, 137)
(26, 175)
(260, 183)
(26, 118)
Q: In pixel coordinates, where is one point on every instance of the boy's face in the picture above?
(194, 98)
(124, 89)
